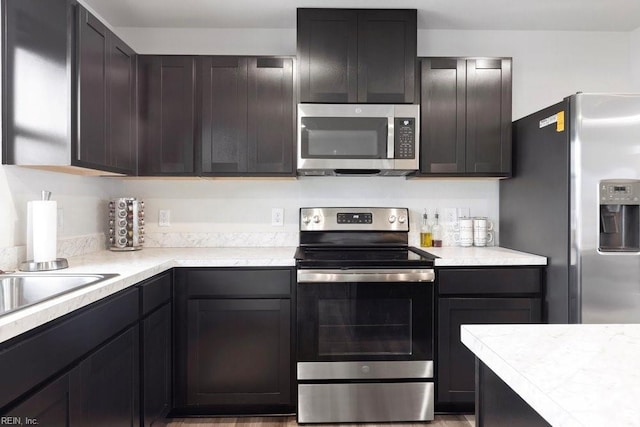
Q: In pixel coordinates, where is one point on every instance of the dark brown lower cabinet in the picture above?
(108, 364)
(233, 332)
(104, 387)
(499, 405)
(101, 391)
(477, 296)
(156, 351)
(236, 349)
(156, 344)
(48, 407)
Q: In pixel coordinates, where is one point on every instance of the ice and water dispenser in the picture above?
(619, 216)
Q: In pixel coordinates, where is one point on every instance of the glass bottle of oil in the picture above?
(436, 233)
(425, 232)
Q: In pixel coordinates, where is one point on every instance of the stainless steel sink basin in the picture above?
(21, 290)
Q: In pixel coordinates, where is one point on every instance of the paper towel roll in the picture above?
(42, 230)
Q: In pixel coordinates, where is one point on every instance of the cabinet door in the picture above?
(327, 52)
(224, 114)
(104, 389)
(455, 381)
(238, 352)
(489, 116)
(442, 109)
(167, 115)
(37, 89)
(271, 116)
(121, 124)
(48, 407)
(93, 57)
(156, 356)
(386, 56)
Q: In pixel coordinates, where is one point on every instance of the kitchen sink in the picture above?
(21, 290)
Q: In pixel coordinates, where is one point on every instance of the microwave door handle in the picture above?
(390, 133)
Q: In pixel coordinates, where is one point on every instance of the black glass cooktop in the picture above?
(353, 257)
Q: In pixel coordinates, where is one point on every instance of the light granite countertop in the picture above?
(484, 256)
(134, 267)
(572, 375)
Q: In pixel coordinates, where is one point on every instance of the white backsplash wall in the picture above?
(81, 202)
(210, 212)
(82, 212)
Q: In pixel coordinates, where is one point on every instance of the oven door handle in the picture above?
(370, 275)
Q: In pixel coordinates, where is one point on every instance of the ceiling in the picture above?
(546, 15)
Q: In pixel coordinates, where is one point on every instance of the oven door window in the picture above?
(343, 138)
(364, 327)
(364, 321)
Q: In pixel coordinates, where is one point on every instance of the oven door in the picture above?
(365, 315)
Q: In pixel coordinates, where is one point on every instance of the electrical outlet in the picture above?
(164, 218)
(277, 217)
(450, 215)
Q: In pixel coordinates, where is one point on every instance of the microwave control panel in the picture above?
(404, 138)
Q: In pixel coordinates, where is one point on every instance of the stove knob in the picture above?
(402, 219)
(392, 219)
(306, 220)
(316, 219)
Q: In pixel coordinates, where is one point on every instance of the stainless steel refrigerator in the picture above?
(574, 198)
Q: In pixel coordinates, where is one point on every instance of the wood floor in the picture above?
(440, 421)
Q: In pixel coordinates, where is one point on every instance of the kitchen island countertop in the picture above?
(572, 375)
(134, 267)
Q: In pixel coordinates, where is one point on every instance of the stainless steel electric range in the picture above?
(364, 318)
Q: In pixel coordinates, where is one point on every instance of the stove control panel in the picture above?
(354, 219)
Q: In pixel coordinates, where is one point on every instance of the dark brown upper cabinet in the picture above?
(224, 114)
(247, 116)
(357, 55)
(68, 90)
(106, 95)
(465, 117)
(167, 115)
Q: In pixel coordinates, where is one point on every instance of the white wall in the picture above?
(81, 201)
(634, 55)
(210, 41)
(547, 66)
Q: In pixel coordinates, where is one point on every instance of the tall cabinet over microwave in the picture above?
(357, 55)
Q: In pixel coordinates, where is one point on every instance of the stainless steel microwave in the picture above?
(358, 139)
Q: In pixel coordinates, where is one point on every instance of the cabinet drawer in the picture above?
(470, 281)
(155, 292)
(50, 350)
(234, 282)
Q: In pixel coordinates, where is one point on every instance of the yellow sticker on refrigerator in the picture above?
(557, 118)
(560, 122)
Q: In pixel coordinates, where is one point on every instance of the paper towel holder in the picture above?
(32, 266)
(56, 264)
